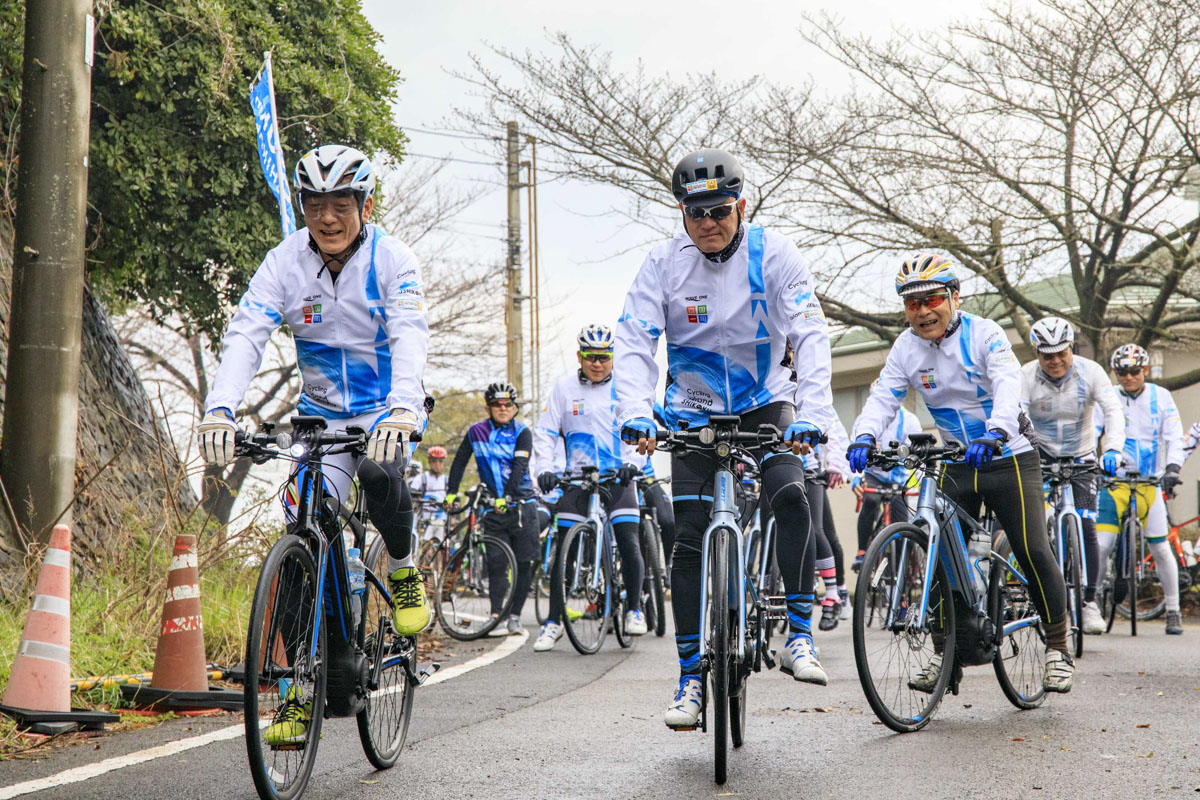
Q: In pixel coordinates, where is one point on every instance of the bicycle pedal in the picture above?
(769, 659)
(685, 730)
(427, 672)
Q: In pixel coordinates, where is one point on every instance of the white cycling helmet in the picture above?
(1051, 335)
(332, 168)
(596, 337)
(1129, 355)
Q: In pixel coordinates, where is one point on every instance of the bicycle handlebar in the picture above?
(915, 454)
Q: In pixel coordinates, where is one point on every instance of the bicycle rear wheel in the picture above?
(1151, 602)
(892, 652)
(618, 592)
(655, 591)
(383, 723)
(740, 673)
(285, 666)
(541, 578)
(466, 594)
(1074, 578)
(583, 587)
(720, 657)
(1019, 663)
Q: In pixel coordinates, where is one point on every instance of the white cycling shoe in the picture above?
(551, 633)
(926, 680)
(635, 623)
(684, 713)
(1093, 622)
(799, 661)
(1060, 672)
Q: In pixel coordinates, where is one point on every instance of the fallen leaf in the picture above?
(1148, 755)
(877, 722)
(966, 705)
(1160, 694)
(1143, 672)
(1018, 739)
(821, 710)
(1065, 748)
(369, 783)
(1144, 725)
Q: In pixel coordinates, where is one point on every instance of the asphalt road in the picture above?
(560, 725)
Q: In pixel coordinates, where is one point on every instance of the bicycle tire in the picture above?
(913, 708)
(1131, 574)
(1073, 575)
(1019, 664)
(741, 669)
(1151, 602)
(383, 722)
(463, 605)
(719, 657)
(656, 617)
(586, 601)
(618, 592)
(541, 579)
(288, 579)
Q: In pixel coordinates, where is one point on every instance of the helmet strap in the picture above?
(341, 259)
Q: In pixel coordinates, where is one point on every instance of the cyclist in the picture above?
(1059, 392)
(430, 485)
(965, 370)
(501, 446)
(898, 430)
(581, 410)
(351, 296)
(1154, 448)
(728, 296)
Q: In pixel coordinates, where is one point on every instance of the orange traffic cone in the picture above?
(38, 695)
(180, 678)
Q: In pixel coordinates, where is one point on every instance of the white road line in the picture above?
(88, 771)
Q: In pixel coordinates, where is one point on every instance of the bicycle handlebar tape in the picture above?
(180, 678)
(38, 694)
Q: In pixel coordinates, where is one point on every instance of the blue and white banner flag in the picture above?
(270, 151)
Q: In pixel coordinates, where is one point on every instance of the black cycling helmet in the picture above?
(707, 177)
(501, 390)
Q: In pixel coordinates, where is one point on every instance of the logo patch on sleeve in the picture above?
(411, 305)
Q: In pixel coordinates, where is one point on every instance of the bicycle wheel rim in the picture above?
(1019, 663)
(584, 589)
(282, 651)
(383, 723)
(464, 592)
(718, 649)
(891, 653)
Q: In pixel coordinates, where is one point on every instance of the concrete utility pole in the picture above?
(37, 453)
(512, 313)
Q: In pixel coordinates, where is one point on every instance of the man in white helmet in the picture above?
(1059, 392)
(351, 296)
(581, 411)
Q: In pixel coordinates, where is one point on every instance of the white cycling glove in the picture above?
(390, 432)
(217, 431)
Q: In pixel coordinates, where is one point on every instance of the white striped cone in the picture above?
(41, 672)
(179, 663)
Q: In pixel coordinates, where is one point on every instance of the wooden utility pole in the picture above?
(37, 453)
(512, 313)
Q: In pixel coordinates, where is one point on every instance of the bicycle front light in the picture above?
(723, 449)
(298, 450)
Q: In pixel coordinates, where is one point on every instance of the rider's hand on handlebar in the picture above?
(547, 481)
(803, 436)
(449, 501)
(860, 452)
(1110, 462)
(501, 504)
(1171, 479)
(983, 449)
(217, 432)
(642, 432)
(627, 472)
(833, 479)
(389, 433)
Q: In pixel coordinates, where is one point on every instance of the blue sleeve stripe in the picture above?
(648, 327)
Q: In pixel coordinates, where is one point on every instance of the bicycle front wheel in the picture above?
(655, 591)
(581, 580)
(720, 656)
(383, 723)
(1074, 578)
(475, 589)
(895, 654)
(541, 578)
(284, 693)
(1019, 663)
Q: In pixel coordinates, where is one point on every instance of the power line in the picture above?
(454, 134)
(457, 160)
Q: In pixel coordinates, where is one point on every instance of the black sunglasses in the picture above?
(1125, 372)
(716, 212)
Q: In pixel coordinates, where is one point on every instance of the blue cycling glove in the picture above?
(638, 428)
(1110, 462)
(983, 449)
(859, 452)
(802, 431)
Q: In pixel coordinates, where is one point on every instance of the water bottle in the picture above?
(358, 582)
(979, 546)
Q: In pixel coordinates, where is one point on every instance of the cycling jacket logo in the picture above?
(697, 314)
(312, 314)
(577, 409)
(701, 186)
(927, 379)
(411, 305)
(696, 298)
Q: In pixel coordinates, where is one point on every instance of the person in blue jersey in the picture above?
(965, 370)
(351, 297)
(502, 447)
(728, 296)
(581, 412)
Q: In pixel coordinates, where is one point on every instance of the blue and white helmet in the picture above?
(925, 272)
(596, 337)
(334, 167)
(1051, 335)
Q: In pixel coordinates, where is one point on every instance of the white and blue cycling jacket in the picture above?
(1153, 431)
(361, 341)
(1062, 411)
(727, 326)
(582, 415)
(969, 379)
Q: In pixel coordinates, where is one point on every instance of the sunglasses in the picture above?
(501, 403)
(718, 213)
(929, 301)
(341, 205)
(1061, 355)
(1125, 372)
(596, 358)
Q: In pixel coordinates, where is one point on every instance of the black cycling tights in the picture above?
(389, 504)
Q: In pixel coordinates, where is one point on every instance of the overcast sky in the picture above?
(585, 274)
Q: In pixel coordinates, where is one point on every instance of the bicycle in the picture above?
(1066, 539)
(934, 581)
(541, 575)
(734, 615)
(474, 588)
(309, 642)
(586, 576)
(1131, 564)
(887, 494)
(654, 590)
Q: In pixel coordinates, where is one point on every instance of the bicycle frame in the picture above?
(596, 518)
(1063, 496)
(724, 516)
